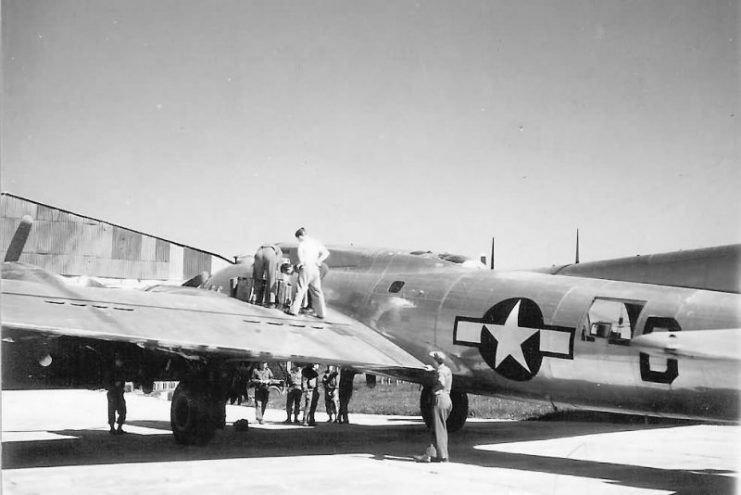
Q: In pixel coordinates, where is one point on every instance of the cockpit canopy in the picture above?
(453, 258)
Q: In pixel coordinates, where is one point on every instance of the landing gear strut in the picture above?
(458, 415)
(197, 410)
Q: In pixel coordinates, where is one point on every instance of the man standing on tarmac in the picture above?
(309, 382)
(441, 407)
(115, 383)
(293, 397)
(329, 380)
(264, 274)
(261, 379)
(347, 375)
(311, 254)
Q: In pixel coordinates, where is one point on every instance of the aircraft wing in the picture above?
(36, 306)
(698, 344)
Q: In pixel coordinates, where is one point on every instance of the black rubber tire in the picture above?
(425, 406)
(458, 414)
(191, 414)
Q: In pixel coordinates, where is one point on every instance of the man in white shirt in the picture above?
(311, 254)
(442, 383)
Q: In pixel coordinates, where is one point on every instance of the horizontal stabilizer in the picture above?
(699, 344)
(717, 268)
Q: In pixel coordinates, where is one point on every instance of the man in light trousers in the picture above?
(311, 254)
(437, 451)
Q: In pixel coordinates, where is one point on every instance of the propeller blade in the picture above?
(19, 239)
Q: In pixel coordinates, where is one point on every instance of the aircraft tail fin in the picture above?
(15, 249)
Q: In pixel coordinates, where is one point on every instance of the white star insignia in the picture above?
(510, 337)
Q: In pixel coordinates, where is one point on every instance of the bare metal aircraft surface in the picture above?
(656, 336)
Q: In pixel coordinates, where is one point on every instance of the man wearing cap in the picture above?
(311, 254)
(441, 407)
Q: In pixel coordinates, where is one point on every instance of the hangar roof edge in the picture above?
(5, 193)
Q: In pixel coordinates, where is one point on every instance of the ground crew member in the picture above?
(347, 376)
(331, 403)
(264, 274)
(311, 254)
(293, 398)
(115, 386)
(261, 379)
(441, 407)
(285, 285)
(238, 384)
(309, 387)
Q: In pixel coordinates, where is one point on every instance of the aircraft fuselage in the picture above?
(534, 336)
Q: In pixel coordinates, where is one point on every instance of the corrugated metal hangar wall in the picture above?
(70, 244)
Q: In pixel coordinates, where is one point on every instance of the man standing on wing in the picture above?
(311, 254)
(265, 274)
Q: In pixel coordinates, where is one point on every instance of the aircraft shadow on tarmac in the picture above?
(385, 443)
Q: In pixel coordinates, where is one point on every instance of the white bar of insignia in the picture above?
(554, 341)
(468, 331)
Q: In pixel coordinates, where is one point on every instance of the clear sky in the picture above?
(413, 124)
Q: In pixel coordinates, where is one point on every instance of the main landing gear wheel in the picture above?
(195, 413)
(458, 414)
